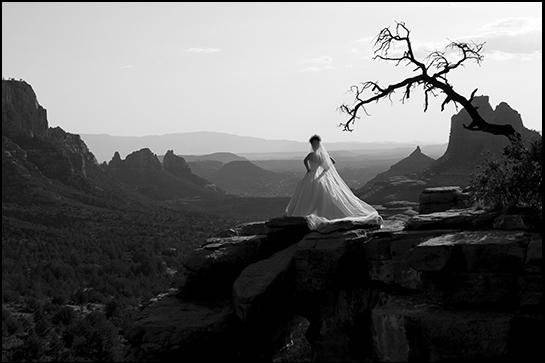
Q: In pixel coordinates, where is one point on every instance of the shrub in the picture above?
(513, 180)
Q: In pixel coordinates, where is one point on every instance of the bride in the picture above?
(323, 197)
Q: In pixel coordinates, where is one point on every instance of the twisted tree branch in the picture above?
(431, 81)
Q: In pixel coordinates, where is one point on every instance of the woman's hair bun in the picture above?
(314, 138)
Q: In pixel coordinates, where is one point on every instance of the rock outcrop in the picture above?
(22, 115)
(413, 164)
(142, 160)
(143, 172)
(44, 162)
(393, 189)
(206, 331)
(443, 198)
(466, 150)
(176, 165)
(214, 266)
(432, 291)
(402, 176)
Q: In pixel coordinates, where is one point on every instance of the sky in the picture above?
(272, 70)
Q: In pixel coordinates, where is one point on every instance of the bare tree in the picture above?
(431, 75)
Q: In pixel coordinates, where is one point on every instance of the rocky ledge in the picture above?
(443, 198)
(441, 287)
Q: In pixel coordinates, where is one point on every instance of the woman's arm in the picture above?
(305, 161)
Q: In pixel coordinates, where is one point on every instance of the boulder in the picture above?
(212, 268)
(462, 219)
(491, 251)
(347, 224)
(172, 328)
(443, 198)
(392, 189)
(264, 289)
(394, 224)
(398, 209)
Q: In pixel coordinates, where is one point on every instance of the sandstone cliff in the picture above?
(142, 172)
(466, 150)
(21, 112)
(463, 285)
(44, 161)
(178, 166)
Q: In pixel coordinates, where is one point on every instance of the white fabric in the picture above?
(324, 198)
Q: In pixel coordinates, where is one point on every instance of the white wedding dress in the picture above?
(323, 198)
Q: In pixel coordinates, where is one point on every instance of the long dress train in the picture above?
(323, 198)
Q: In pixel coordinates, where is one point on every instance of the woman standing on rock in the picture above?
(323, 197)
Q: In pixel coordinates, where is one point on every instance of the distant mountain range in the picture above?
(39, 161)
(223, 157)
(103, 146)
(244, 178)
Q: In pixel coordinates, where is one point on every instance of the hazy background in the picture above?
(277, 71)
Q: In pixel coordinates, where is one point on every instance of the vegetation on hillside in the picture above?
(512, 181)
(73, 275)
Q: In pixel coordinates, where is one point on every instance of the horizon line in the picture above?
(263, 138)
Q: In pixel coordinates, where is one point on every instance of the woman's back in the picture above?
(314, 160)
(322, 196)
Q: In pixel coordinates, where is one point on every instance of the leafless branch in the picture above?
(432, 76)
